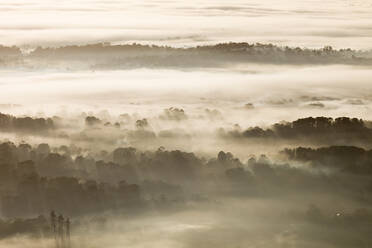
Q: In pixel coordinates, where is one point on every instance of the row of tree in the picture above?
(318, 129)
(28, 124)
(102, 55)
(36, 179)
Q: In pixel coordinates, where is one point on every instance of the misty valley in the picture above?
(185, 124)
(317, 187)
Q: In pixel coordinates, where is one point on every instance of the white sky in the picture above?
(311, 23)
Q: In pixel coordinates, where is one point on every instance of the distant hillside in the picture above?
(108, 56)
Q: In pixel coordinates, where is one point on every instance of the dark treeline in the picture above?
(323, 130)
(244, 51)
(9, 123)
(107, 56)
(30, 194)
(34, 180)
(13, 50)
(37, 179)
(10, 56)
(310, 131)
(344, 158)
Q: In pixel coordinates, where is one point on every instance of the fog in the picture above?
(216, 202)
(240, 154)
(182, 124)
(275, 94)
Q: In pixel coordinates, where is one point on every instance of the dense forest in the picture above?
(107, 56)
(36, 179)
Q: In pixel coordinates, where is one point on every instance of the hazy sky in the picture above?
(311, 23)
